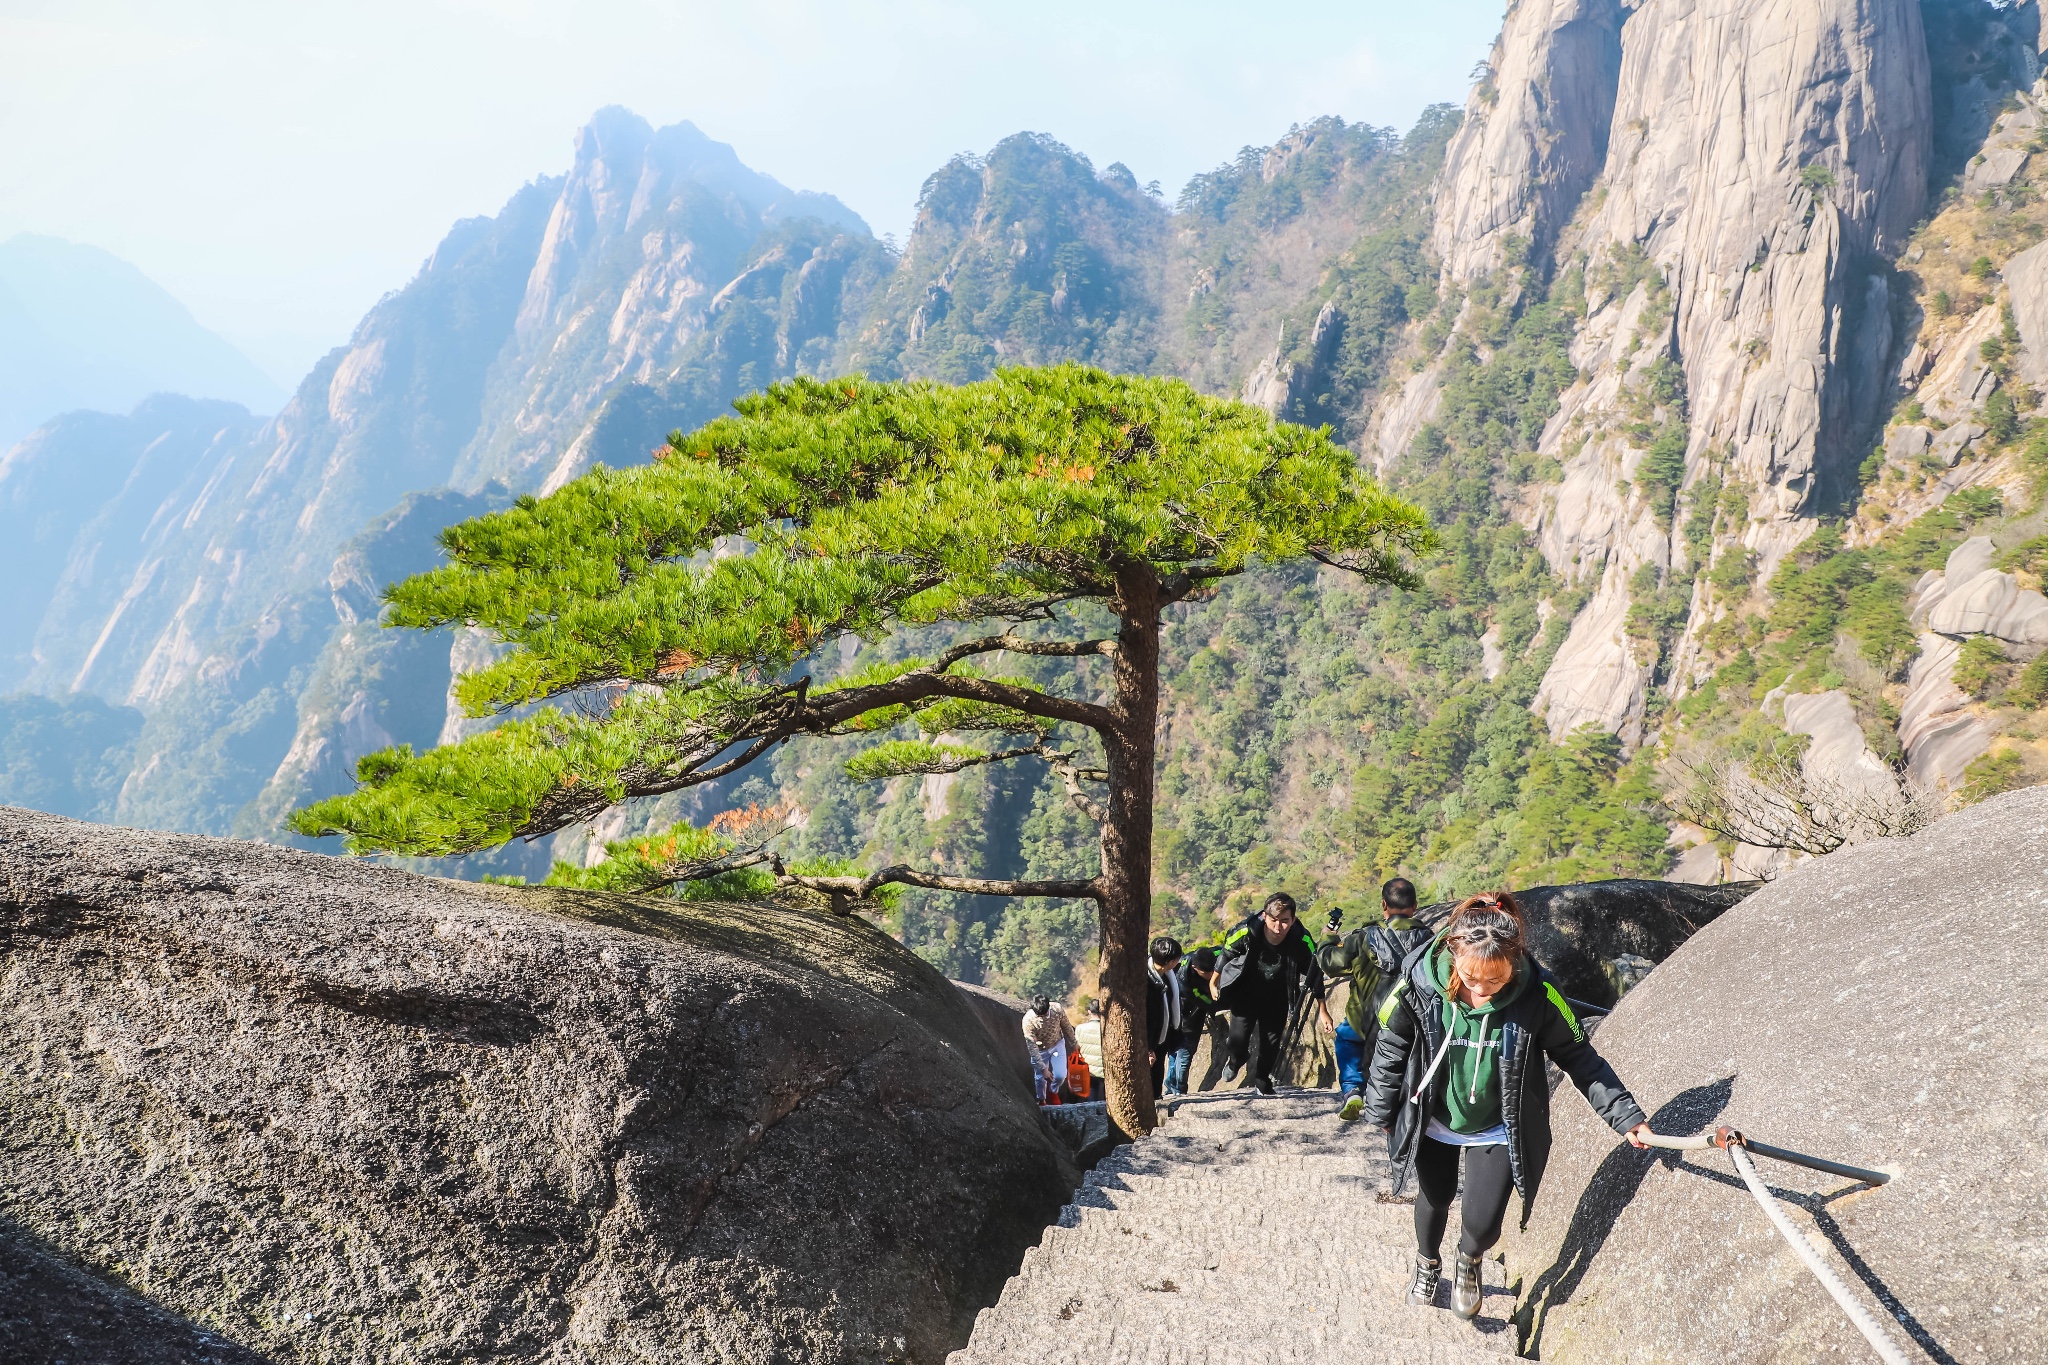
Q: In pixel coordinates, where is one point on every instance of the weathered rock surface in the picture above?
(1087, 1130)
(1534, 136)
(1865, 1006)
(1765, 159)
(1937, 728)
(2026, 279)
(1838, 755)
(1575, 930)
(1003, 1017)
(331, 1111)
(1970, 597)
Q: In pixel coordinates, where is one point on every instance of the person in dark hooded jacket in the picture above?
(1458, 1065)
(1266, 972)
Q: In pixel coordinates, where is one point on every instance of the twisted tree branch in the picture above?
(901, 875)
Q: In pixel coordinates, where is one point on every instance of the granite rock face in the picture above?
(1534, 136)
(1734, 176)
(1576, 929)
(1003, 1018)
(1854, 1008)
(261, 1103)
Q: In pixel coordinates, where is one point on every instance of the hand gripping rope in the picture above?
(1738, 1148)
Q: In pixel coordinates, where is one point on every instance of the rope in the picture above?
(1879, 1340)
(1737, 1148)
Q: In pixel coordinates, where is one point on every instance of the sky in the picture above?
(279, 165)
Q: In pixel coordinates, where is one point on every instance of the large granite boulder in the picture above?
(1003, 1017)
(260, 1103)
(1878, 1006)
(1578, 928)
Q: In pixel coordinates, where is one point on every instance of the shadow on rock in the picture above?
(51, 1311)
(1612, 1188)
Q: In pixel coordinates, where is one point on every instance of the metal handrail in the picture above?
(1721, 1137)
(1738, 1148)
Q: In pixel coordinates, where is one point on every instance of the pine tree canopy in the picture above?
(672, 606)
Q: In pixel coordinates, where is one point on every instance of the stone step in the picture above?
(1244, 1230)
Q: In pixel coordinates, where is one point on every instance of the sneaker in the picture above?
(1265, 1085)
(1354, 1105)
(1422, 1289)
(1465, 1289)
(1230, 1070)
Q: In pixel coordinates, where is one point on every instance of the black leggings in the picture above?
(1488, 1181)
(1271, 1024)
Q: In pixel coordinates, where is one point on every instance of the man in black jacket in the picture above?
(1268, 969)
(1197, 1006)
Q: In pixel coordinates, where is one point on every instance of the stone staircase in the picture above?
(1246, 1230)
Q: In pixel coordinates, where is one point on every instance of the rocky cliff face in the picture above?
(293, 1107)
(1732, 179)
(188, 575)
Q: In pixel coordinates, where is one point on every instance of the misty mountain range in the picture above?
(81, 328)
(213, 575)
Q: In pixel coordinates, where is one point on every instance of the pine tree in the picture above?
(674, 607)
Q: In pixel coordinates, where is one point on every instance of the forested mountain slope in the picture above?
(1723, 405)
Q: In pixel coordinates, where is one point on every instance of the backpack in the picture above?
(1388, 948)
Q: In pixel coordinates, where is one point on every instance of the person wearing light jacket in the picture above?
(1458, 1067)
(1049, 1036)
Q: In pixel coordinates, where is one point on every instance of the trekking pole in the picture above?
(1738, 1148)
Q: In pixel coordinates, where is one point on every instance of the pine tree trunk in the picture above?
(1127, 850)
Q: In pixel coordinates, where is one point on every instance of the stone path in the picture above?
(1244, 1231)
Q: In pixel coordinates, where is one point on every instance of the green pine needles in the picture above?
(662, 616)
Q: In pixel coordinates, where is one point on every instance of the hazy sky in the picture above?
(279, 165)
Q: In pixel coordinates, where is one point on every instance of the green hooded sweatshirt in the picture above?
(1470, 1102)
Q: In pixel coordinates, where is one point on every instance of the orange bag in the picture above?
(1079, 1081)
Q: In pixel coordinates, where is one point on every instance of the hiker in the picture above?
(1088, 1036)
(1371, 955)
(1197, 1007)
(1048, 1035)
(1162, 1007)
(1459, 1064)
(1268, 971)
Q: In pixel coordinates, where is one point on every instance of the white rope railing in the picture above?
(1738, 1148)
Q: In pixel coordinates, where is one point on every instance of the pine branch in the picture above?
(900, 875)
(1178, 586)
(1073, 776)
(1015, 644)
(837, 708)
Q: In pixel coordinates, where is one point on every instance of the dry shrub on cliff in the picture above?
(1773, 800)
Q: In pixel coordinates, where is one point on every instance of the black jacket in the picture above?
(1535, 1024)
(1371, 956)
(1245, 949)
(1162, 1031)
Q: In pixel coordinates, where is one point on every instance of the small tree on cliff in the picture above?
(673, 606)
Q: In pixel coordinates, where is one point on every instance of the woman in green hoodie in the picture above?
(1459, 1065)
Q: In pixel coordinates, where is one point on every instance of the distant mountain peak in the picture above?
(80, 328)
(618, 147)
